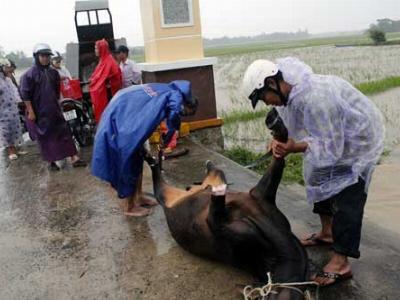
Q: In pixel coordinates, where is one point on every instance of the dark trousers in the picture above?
(346, 210)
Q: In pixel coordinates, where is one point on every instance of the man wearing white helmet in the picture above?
(56, 64)
(341, 133)
(40, 90)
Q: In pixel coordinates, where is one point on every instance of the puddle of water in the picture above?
(159, 232)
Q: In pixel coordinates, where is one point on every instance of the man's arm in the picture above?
(26, 90)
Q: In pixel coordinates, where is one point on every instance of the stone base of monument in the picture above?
(200, 73)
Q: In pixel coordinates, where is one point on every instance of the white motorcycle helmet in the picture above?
(42, 48)
(254, 78)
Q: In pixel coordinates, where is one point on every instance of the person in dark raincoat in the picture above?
(128, 121)
(40, 89)
(106, 79)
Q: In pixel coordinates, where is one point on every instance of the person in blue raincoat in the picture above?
(128, 121)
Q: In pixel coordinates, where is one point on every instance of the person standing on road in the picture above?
(129, 120)
(56, 64)
(40, 89)
(11, 73)
(131, 73)
(106, 79)
(10, 129)
(341, 133)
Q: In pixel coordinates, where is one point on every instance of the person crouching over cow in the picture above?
(128, 121)
(341, 133)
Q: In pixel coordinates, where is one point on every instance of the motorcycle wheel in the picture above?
(83, 136)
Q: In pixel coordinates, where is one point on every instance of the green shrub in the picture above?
(377, 35)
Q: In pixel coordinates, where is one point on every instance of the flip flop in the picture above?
(53, 167)
(79, 163)
(176, 153)
(13, 157)
(313, 240)
(336, 277)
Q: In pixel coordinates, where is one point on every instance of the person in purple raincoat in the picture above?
(40, 89)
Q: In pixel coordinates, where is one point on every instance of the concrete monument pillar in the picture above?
(174, 50)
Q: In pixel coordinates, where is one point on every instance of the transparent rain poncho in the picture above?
(342, 127)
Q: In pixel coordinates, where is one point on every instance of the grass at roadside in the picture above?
(243, 116)
(293, 170)
(374, 87)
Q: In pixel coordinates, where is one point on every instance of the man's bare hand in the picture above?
(280, 150)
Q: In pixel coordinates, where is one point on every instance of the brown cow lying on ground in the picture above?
(243, 229)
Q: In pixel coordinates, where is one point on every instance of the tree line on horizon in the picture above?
(376, 31)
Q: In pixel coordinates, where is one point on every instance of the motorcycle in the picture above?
(77, 112)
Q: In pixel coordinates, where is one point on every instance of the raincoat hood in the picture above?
(294, 71)
(103, 49)
(184, 87)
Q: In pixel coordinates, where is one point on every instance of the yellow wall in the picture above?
(171, 43)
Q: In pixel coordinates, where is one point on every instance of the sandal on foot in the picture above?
(53, 167)
(79, 163)
(175, 153)
(333, 277)
(313, 240)
(22, 152)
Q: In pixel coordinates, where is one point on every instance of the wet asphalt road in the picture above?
(62, 236)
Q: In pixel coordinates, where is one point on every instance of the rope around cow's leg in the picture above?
(262, 293)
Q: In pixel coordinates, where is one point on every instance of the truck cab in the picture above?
(93, 21)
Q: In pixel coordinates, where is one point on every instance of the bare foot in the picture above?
(145, 201)
(138, 212)
(316, 239)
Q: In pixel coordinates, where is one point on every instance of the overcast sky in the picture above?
(26, 22)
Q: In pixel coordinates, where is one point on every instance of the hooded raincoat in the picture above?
(106, 76)
(41, 85)
(128, 121)
(342, 127)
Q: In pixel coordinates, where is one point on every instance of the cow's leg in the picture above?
(170, 196)
(266, 188)
(217, 213)
(215, 178)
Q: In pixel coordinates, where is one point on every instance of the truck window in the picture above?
(93, 17)
(82, 18)
(104, 16)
